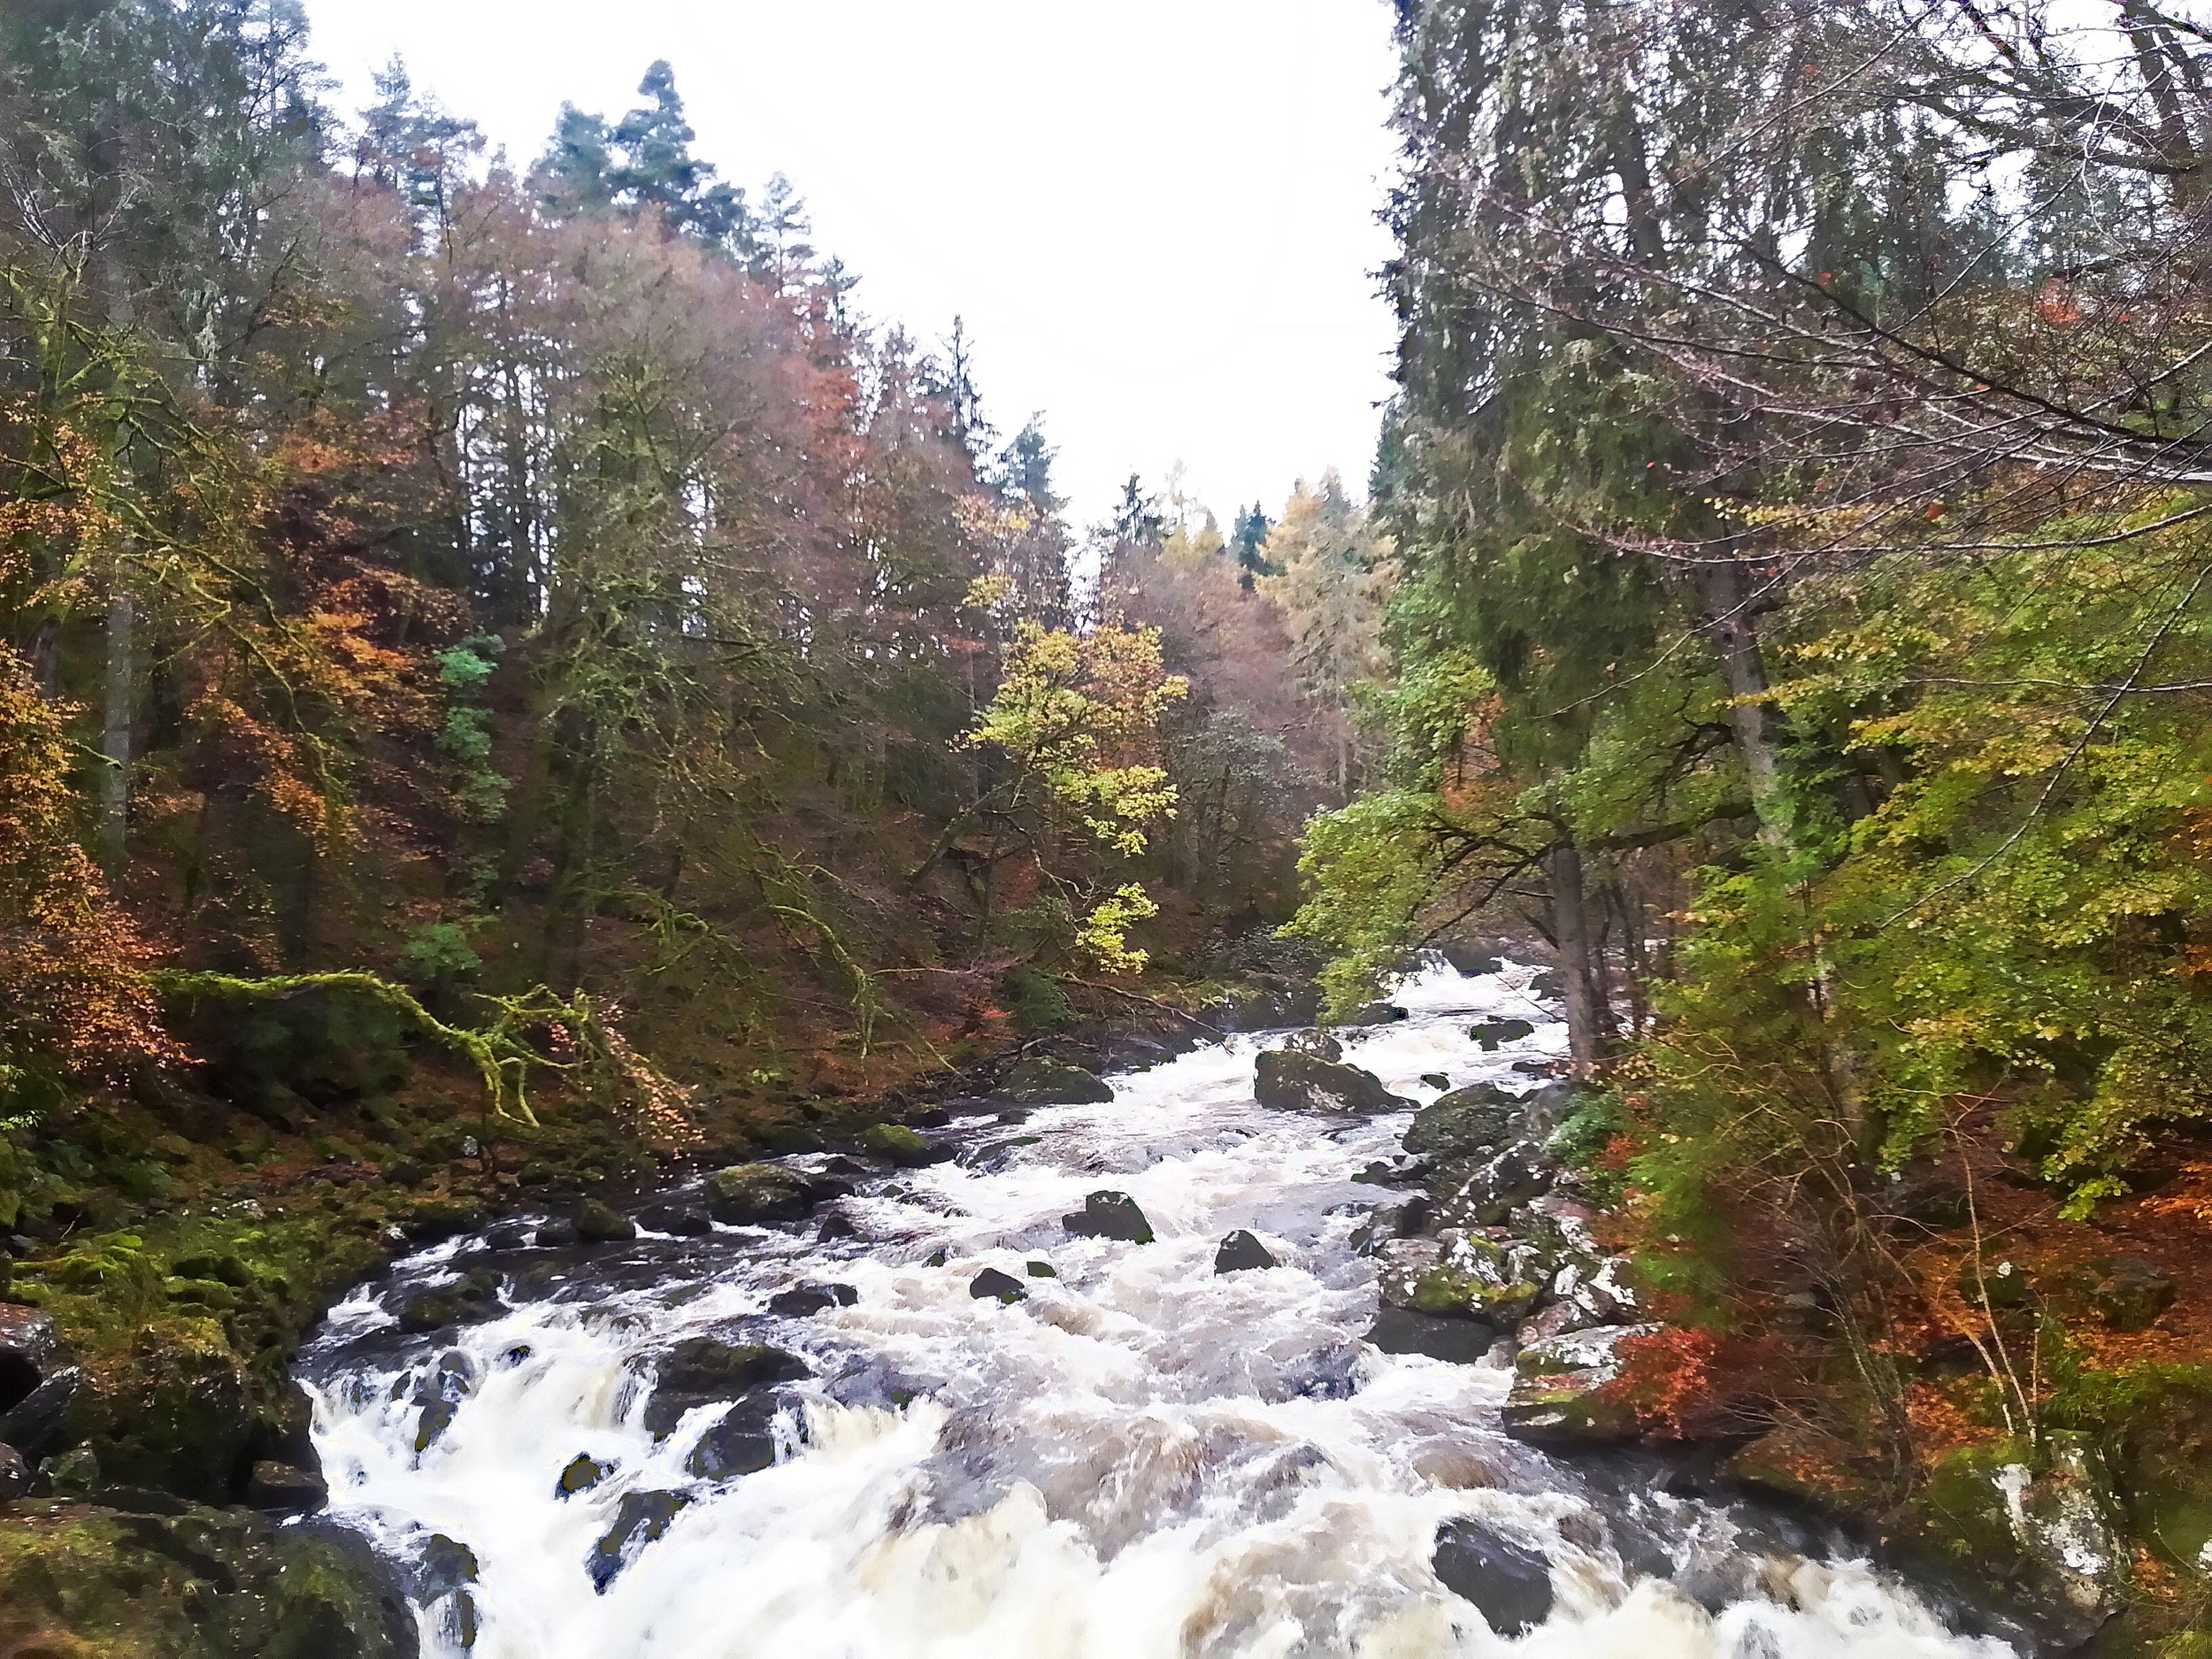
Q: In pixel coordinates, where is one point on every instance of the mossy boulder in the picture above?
(702, 1370)
(1040, 1082)
(897, 1144)
(79, 1582)
(1287, 1080)
(1460, 1124)
(758, 1196)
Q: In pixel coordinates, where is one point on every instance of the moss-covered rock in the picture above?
(79, 1582)
(897, 1144)
(1039, 1081)
(756, 1195)
(1289, 1081)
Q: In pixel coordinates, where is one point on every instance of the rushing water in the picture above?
(1142, 1459)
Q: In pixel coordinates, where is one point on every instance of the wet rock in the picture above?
(680, 1224)
(1319, 1044)
(1041, 1269)
(30, 1352)
(1458, 1276)
(1509, 1583)
(991, 1284)
(15, 1475)
(598, 1224)
(1435, 1079)
(756, 1195)
(1289, 1081)
(447, 1565)
(503, 1240)
(556, 1235)
(1240, 1253)
(1549, 985)
(472, 1298)
(1484, 1192)
(741, 1442)
(440, 1393)
(282, 1489)
(1559, 1396)
(1402, 1331)
(836, 1224)
(584, 1472)
(897, 1144)
(803, 1301)
(1040, 1082)
(434, 1220)
(1494, 1032)
(700, 1370)
(37, 1425)
(1472, 960)
(1457, 1124)
(641, 1518)
(1380, 1014)
(2129, 1292)
(1110, 1215)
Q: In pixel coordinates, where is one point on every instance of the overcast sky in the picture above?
(1156, 216)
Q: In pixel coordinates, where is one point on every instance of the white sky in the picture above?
(1156, 216)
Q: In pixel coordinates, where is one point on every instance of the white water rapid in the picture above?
(1142, 1460)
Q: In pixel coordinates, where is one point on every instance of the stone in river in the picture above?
(1289, 1081)
(1402, 1331)
(1110, 1215)
(597, 1224)
(1509, 1583)
(744, 1442)
(1240, 1252)
(990, 1283)
(1038, 1081)
(641, 1517)
(1491, 1032)
(280, 1489)
(756, 1195)
(584, 1472)
(703, 1371)
(897, 1144)
(804, 1300)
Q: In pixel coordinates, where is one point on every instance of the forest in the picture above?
(508, 672)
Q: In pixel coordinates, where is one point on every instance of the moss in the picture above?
(78, 1582)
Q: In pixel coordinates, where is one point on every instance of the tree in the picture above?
(1336, 573)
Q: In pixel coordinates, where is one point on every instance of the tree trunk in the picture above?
(115, 738)
(1726, 594)
(1570, 930)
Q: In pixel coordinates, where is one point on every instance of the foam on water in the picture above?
(1141, 1460)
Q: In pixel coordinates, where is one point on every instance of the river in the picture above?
(1141, 1459)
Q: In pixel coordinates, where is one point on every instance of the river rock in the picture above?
(1240, 1253)
(1509, 1583)
(277, 1488)
(1485, 1191)
(700, 1370)
(1558, 1397)
(756, 1195)
(30, 1352)
(1319, 1044)
(473, 1297)
(1462, 1123)
(895, 1143)
(1470, 960)
(742, 1442)
(1110, 1215)
(1402, 1331)
(37, 1425)
(680, 1224)
(1492, 1033)
(991, 1285)
(1040, 1082)
(15, 1475)
(440, 1393)
(583, 1472)
(2130, 1292)
(803, 1301)
(1458, 1276)
(641, 1518)
(599, 1224)
(1290, 1081)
